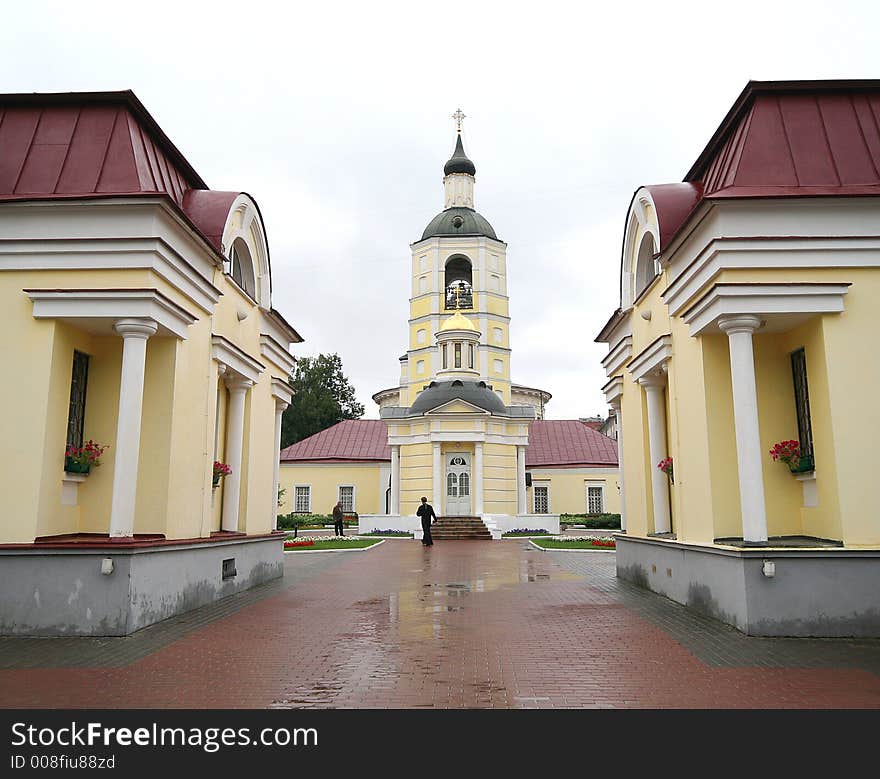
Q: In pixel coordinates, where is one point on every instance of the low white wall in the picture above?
(367, 523)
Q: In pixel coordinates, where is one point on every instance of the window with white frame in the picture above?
(541, 497)
(346, 497)
(595, 499)
(302, 499)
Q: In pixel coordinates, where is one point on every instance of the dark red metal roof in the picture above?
(351, 439)
(99, 144)
(551, 442)
(783, 139)
(568, 442)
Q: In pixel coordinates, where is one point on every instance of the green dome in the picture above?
(459, 220)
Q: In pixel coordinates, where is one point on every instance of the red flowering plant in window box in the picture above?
(220, 469)
(789, 452)
(665, 465)
(80, 459)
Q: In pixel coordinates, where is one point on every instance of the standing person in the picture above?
(426, 512)
(337, 519)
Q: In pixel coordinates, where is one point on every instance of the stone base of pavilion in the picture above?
(497, 524)
(92, 585)
(791, 587)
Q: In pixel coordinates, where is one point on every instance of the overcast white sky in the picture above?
(336, 118)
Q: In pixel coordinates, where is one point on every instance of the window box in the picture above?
(74, 467)
(802, 465)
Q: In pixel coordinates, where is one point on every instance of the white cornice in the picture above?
(780, 306)
(613, 391)
(761, 253)
(228, 354)
(618, 355)
(95, 310)
(651, 358)
(274, 351)
(282, 391)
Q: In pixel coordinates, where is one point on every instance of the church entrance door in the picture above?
(458, 484)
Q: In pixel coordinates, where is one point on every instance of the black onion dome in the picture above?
(459, 220)
(477, 393)
(458, 162)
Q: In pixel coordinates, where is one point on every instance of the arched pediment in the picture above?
(244, 241)
(642, 232)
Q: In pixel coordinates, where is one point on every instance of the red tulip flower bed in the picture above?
(296, 544)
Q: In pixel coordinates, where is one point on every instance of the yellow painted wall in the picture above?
(568, 490)
(325, 481)
(416, 475)
(499, 478)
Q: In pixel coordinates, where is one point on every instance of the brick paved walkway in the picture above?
(463, 624)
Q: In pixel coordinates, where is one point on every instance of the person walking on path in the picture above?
(337, 519)
(426, 512)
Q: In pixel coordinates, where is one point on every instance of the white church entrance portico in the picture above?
(458, 484)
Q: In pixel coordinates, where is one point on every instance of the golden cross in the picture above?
(458, 296)
(459, 115)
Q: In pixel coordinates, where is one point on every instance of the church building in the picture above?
(743, 365)
(457, 429)
(140, 347)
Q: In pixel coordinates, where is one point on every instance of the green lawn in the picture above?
(334, 543)
(578, 543)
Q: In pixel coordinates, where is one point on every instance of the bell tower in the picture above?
(459, 268)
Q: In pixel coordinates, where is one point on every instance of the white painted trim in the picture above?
(618, 355)
(96, 310)
(293, 498)
(766, 301)
(275, 351)
(253, 233)
(438, 411)
(613, 390)
(282, 391)
(340, 487)
(651, 358)
(587, 486)
(549, 492)
(228, 354)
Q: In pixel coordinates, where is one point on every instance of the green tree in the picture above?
(322, 397)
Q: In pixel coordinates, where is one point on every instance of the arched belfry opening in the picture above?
(459, 282)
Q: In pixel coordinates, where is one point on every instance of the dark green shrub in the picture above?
(592, 521)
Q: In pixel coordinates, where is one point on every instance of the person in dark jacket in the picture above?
(337, 519)
(426, 512)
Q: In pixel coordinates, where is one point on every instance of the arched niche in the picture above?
(458, 274)
(244, 241)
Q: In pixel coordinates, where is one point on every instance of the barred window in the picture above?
(802, 404)
(594, 500)
(302, 501)
(77, 413)
(542, 500)
(346, 498)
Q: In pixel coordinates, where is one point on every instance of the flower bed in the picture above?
(393, 533)
(297, 543)
(582, 542)
(524, 531)
(321, 543)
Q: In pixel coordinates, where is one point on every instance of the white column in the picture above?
(654, 386)
(478, 478)
(439, 489)
(616, 405)
(395, 480)
(280, 405)
(520, 480)
(739, 331)
(238, 388)
(135, 333)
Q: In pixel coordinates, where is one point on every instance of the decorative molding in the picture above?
(652, 358)
(618, 355)
(275, 351)
(614, 391)
(96, 310)
(281, 391)
(781, 305)
(228, 354)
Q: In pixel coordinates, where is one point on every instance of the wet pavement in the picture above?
(459, 625)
